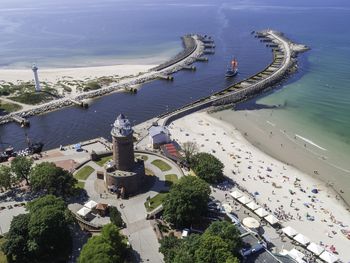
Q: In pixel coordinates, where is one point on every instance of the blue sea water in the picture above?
(81, 33)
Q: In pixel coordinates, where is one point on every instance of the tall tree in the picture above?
(212, 249)
(52, 179)
(187, 201)
(42, 235)
(227, 232)
(109, 247)
(6, 177)
(15, 246)
(189, 148)
(21, 167)
(207, 167)
(169, 246)
(115, 216)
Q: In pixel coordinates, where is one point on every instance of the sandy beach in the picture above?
(285, 190)
(82, 73)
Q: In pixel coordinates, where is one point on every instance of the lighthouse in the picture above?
(36, 78)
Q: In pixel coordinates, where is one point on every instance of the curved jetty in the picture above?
(193, 48)
(284, 63)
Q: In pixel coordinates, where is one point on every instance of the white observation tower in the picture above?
(36, 78)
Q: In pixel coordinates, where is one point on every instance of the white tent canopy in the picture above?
(261, 212)
(289, 231)
(303, 240)
(84, 211)
(328, 257)
(91, 204)
(252, 205)
(244, 199)
(297, 255)
(227, 208)
(271, 219)
(236, 194)
(314, 248)
(251, 222)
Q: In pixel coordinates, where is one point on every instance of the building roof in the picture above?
(121, 126)
(101, 206)
(155, 130)
(84, 211)
(171, 150)
(91, 204)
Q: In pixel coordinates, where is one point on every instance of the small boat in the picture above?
(232, 70)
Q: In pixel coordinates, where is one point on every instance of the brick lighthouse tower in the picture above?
(124, 173)
(123, 146)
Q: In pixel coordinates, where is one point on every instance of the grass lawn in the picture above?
(103, 160)
(80, 185)
(2, 256)
(162, 165)
(84, 173)
(9, 107)
(170, 179)
(155, 201)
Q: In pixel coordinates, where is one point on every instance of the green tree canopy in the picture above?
(215, 245)
(116, 217)
(228, 232)
(21, 167)
(207, 167)
(17, 238)
(6, 178)
(187, 201)
(42, 235)
(109, 247)
(212, 249)
(52, 179)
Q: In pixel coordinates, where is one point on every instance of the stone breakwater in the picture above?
(193, 49)
(285, 53)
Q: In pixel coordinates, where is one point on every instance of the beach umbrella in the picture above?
(251, 222)
(314, 248)
(227, 208)
(244, 199)
(300, 238)
(296, 255)
(252, 205)
(328, 257)
(261, 212)
(315, 191)
(289, 231)
(271, 219)
(236, 194)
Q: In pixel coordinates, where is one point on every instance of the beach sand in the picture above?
(276, 182)
(55, 74)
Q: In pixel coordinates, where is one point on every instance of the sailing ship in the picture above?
(232, 70)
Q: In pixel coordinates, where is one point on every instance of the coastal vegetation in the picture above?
(9, 107)
(219, 243)
(207, 167)
(92, 85)
(41, 235)
(109, 247)
(189, 149)
(186, 202)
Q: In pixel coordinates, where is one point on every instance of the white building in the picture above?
(158, 135)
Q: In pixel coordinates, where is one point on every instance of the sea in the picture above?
(314, 103)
